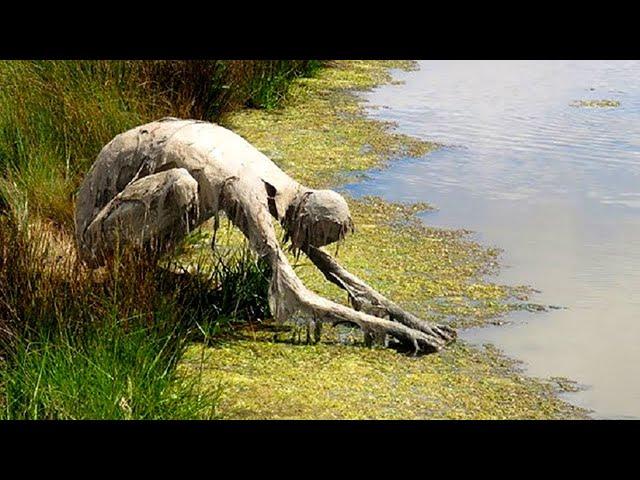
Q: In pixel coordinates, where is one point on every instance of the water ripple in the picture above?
(556, 186)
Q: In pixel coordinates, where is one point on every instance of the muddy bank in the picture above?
(322, 138)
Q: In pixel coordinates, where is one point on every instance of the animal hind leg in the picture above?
(154, 212)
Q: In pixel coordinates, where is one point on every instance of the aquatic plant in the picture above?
(321, 133)
(603, 103)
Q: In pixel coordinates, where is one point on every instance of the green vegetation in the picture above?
(55, 116)
(319, 137)
(107, 373)
(265, 379)
(105, 344)
(142, 339)
(595, 103)
(319, 134)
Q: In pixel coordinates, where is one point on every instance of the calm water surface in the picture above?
(557, 187)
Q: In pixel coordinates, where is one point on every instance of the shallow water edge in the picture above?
(322, 134)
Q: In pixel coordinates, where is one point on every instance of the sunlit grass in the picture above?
(105, 344)
(55, 116)
(76, 343)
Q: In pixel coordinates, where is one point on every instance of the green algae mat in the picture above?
(322, 138)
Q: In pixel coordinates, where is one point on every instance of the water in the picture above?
(557, 187)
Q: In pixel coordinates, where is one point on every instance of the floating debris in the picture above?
(595, 103)
(566, 385)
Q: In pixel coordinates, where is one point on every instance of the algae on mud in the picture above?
(320, 136)
(263, 379)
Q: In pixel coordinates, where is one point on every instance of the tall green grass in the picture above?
(270, 81)
(106, 373)
(77, 343)
(55, 116)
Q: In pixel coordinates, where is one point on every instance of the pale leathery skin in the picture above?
(158, 181)
(207, 151)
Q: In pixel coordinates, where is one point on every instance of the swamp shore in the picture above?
(322, 137)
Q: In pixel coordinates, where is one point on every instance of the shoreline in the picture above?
(322, 137)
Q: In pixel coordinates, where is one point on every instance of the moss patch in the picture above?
(264, 379)
(322, 134)
(319, 135)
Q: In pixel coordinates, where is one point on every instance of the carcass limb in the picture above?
(365, 298)
(248, 209)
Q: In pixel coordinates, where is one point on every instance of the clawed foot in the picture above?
(430, 339)
(427, 338)
(441, 334)
(414, 333)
